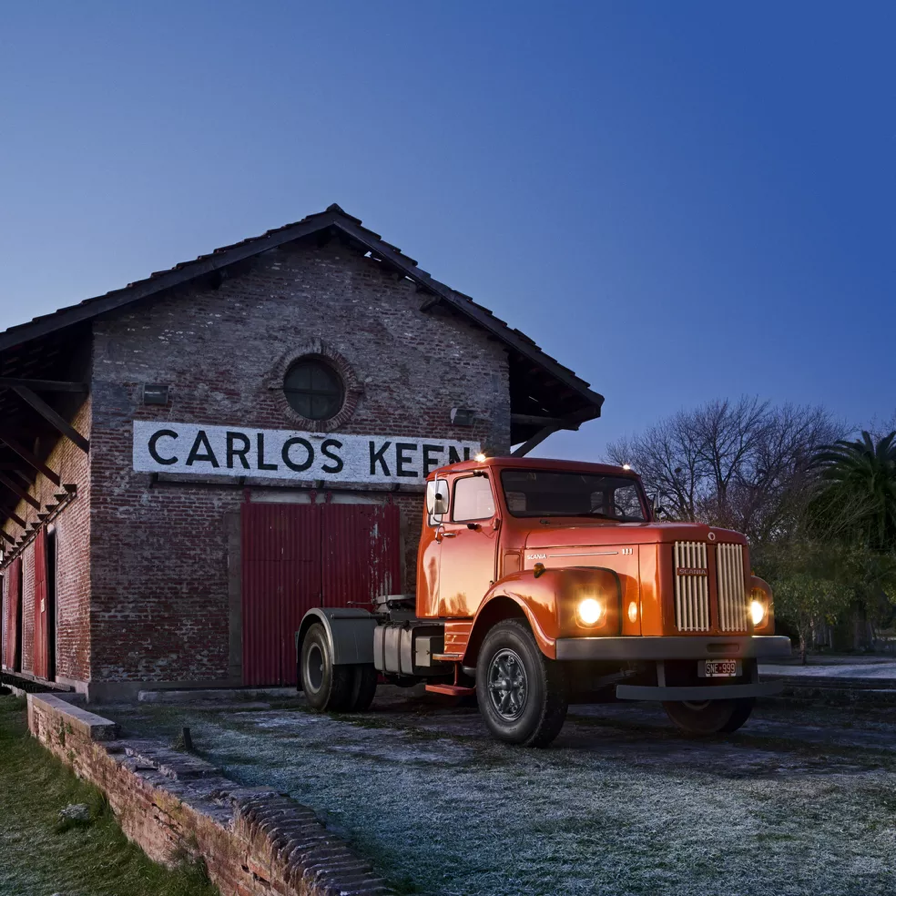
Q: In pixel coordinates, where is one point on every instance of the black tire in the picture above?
(326, 687)
(743, 709)
(709, 717)
(532, 711)
(364, 686)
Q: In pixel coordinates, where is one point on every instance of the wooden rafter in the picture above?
(31, 459)
(52, 416)
(42, 385)
(534, 440)
(11, 515)
(19, 490)
(536, 419)
(30, 532)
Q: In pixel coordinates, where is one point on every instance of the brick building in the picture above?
(189, 463)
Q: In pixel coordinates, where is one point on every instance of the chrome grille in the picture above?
(692, 586)
(730, 590)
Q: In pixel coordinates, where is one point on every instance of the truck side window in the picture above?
(473, 500)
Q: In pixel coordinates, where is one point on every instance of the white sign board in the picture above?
(291, 454)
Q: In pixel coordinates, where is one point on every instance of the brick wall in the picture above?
(176, 806)
(159, 566)
(73, 568)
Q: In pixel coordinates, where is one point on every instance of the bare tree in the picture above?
(741, 465)
(879, 427)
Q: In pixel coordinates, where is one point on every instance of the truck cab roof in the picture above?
(512, 463)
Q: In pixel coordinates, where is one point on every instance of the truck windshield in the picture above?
(545, 493)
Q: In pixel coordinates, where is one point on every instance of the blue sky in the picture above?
(681, 201)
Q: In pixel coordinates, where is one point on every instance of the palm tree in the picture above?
(856, 501)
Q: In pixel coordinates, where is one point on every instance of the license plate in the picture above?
(712, 669)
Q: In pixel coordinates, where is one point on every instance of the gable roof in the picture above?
(545, 395)
(333, 218)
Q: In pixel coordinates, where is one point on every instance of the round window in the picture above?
(314, 389)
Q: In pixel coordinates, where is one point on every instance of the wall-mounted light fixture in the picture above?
(463, 417)
(155, 393)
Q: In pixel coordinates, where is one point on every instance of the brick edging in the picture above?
(177, 806)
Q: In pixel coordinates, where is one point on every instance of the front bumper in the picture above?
(673, 647)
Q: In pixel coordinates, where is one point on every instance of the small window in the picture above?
(473, 500)
(314, 389)
(627, 502)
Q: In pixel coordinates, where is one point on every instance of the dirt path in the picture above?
(800, 801)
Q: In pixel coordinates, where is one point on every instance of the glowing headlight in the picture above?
(758, 612)
(590, 611)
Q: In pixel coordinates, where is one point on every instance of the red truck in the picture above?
(543, 583)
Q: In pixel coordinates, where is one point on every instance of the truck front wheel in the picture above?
(709, 717)
(326, 686)
(522, 694)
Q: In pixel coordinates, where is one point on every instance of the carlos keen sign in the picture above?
(291, 455)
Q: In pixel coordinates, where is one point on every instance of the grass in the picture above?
(41, 855)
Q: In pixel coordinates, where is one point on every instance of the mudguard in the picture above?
(548, 599)
(350, 632)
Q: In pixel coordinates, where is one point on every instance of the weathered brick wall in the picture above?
(177, 807)
(73, 566)
(159, 571)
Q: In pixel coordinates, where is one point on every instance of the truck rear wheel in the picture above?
(326, 686)
(709, 717)
(522, 694)
(364, 685)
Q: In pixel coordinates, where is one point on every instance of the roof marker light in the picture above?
(480, 458)
(626, 467)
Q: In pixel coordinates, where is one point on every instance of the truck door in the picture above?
(468, 538)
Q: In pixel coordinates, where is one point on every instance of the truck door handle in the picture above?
(445, 535)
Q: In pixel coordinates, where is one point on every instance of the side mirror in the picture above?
(437, 498)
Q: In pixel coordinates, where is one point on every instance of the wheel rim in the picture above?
(314, 668)
(696, 705)
(507, 684)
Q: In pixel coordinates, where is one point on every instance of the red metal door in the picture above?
(12, 622)
(295, 557)
(40, 666)
(281, 563)
(361, 553)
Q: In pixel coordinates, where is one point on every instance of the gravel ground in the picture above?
(800, 801)
(869, 666)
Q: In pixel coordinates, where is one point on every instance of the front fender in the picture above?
(548, 601)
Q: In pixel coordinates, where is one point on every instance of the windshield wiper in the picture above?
(602, 515)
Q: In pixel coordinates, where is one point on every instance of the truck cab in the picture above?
(541, 583)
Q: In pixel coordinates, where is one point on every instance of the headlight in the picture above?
(590, 612)
(758, 612)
